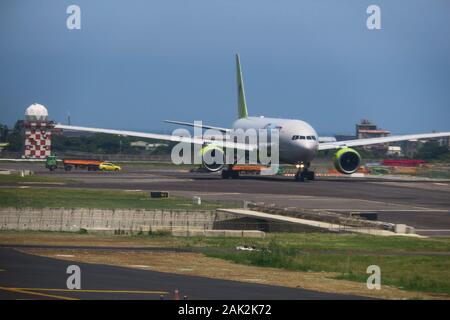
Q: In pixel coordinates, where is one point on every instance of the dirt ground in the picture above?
(91, 240)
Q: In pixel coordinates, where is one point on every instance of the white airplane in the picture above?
(298, 141)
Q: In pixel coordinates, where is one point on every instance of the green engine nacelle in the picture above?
(213, 158)
(347, 160)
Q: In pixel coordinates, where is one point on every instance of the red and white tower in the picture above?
(38, 132)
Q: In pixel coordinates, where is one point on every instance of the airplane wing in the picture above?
(369, 141)
(197, 125)
(166, 137)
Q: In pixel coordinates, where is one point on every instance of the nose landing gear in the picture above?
(303, 173)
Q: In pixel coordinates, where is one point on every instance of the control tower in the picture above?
(38, 132)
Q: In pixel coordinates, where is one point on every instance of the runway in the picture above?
(24, 276)
(422, 205)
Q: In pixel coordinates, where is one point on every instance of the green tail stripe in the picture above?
(242, 106)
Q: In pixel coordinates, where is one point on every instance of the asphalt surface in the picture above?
(424, 205)
(25, 276)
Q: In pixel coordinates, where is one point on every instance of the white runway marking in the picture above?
(139, 266)
(387, 210)
(44, 183)
(210, 193)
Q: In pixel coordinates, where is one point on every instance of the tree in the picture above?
(16, 138)
(3, 132)
(102, 143)
(431, 150)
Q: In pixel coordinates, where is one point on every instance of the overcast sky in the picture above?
(136, 63)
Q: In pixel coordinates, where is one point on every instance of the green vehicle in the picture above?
(51, 163)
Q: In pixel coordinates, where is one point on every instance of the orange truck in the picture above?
(90, 165)
(69, 164)
(236, 170)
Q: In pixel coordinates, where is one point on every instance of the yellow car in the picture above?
(108, 166)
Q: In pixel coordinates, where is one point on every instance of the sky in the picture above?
(135, 63)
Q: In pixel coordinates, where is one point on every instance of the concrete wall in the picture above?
(127, 220)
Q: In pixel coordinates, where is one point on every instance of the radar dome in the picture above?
(36, 112)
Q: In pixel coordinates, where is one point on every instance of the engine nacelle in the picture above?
(213, 158)
(347, 160)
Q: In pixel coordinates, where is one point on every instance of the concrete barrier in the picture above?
(253, 234)
(129, 220)
(212, 223)
(404, 229)
(315, 226)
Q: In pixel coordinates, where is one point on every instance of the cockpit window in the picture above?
(296, 137)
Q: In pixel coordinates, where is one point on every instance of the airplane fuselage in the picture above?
(298, 141)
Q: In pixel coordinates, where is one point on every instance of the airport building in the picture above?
(344, 137)
(366, 130)
(394, 151)
(146, 145)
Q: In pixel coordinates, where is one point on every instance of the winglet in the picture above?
(242, 106)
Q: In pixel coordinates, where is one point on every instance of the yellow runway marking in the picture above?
(21, 290)
(91, 290)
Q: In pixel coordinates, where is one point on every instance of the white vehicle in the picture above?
(298, 141)
(246, 248)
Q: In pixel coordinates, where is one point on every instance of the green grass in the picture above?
(434, 174)
(413, 273)
(407, 263)
(17, 179)
(331, 242)
(83, 198)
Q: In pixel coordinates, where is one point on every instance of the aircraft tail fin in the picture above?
(242, 106)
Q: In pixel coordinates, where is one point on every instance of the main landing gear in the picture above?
(303, 173)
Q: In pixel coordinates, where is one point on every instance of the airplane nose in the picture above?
(315, 146)
(306, 149)
(309, 145)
